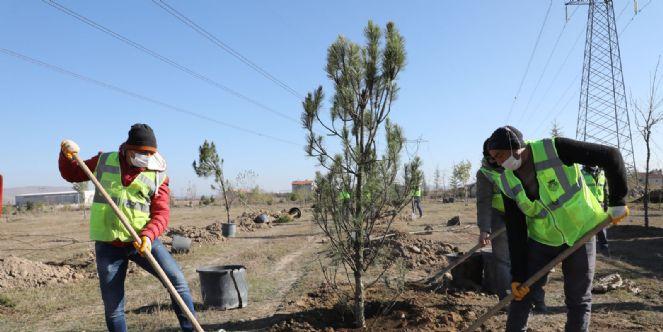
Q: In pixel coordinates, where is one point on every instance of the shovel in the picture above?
(150, 258)
(539, 274)
(461, 259)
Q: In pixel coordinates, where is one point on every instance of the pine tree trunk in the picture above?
(360, 321)
(225, 199)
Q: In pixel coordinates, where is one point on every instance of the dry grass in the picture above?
(282, 266)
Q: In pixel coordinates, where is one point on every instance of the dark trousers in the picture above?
(112, 265)
(578, 270)
(502, 264)
(602, 239)
(416, 202)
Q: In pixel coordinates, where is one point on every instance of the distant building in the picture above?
(304, 185)
(655, 179)
(55, 198)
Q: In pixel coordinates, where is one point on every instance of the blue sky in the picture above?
(464, 65)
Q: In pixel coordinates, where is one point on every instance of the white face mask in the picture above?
(512, 163)
(154, 162)
(140, 160)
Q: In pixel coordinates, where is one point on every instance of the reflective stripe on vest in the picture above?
(571, 208)
(514, 190)
(596, 185)
(133, 200)
(493, 176)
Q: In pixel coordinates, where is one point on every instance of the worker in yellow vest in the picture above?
(490, 217)
(135, 178)
(416, 201)
(548, 207)
(595, 180)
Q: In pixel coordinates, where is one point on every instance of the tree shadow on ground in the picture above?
(156, 307)
(612, 307)
(318, 318)
(272, 237)
(630, 231)
(638, 246)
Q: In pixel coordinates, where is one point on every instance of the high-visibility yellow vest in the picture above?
(566, 208)
(133, 200)
(344, 196)
(494, 177)
(596, 185)
(416, 192)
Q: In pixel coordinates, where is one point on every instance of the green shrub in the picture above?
(6, 302)
(282, 219)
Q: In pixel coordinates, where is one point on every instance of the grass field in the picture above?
(283, 268)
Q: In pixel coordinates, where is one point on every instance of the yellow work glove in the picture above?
(69, 148)
(618, 213)
(518, 291)
(146, 245)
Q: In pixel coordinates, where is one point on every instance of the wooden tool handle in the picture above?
(540, 273)
(153, 262)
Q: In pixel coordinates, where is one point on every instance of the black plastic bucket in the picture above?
(228, 229)
(224, 286)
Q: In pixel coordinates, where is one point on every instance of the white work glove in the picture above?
(618, 213)
(69, 148)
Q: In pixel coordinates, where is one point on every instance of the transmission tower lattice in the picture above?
(603, 113)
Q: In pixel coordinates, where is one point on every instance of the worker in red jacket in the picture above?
(135, 178)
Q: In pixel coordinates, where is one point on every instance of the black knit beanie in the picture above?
(506, 138)
(486, 143)
(141, 137)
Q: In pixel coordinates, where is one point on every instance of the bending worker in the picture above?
(548, 208)
(135, 177)
(490, 217)
(595, 180)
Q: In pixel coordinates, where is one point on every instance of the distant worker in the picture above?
(490, 217)
(416, 201)
(135, 177)
(595, 180)
(548, 208)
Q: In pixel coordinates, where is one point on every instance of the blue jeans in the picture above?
(416, 202)
(112, 265)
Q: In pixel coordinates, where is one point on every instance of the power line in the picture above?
(545, 67)
(212, 38)
(559, 70)
(136, 95)
(164, 59)
(552, 109)
(529, 62)
(633, 17)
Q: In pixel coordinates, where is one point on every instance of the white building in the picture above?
(55, 198)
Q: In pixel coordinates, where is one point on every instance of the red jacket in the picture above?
(159, 206)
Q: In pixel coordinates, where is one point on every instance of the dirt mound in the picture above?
(414, 310)
(198, 234)
(420, 252)
(246, 221)
(16, 272)
(295, 326)
(85, 264)
(249, 228)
